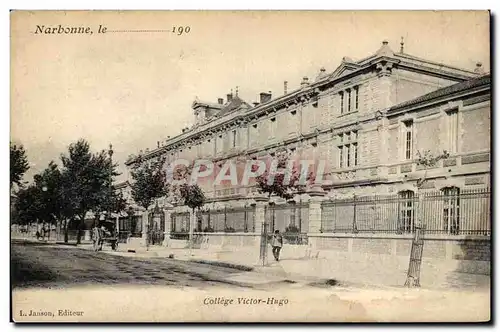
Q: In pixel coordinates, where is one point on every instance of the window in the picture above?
(218, 144)
(451, 210)
(406, 211)
(348, 159)
(348, 100)
(355, 153)
(272, 127)
(348, 149)
(356, 98)
(341, 102)
(452, 119)
(234, 138)
(408, 140)
(341, 156)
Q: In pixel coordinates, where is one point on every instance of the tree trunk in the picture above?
(191, 229)
(66, 237)
(79, 228)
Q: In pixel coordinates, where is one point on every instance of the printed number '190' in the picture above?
(181, 30)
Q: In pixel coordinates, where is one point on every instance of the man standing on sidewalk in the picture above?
(277, 243)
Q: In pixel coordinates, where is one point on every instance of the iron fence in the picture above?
(292, 220)
(448, 211)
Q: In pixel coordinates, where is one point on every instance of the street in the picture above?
(51, 266)
(69, 284)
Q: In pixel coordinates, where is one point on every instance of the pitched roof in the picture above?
(455, 88)
(235, 103)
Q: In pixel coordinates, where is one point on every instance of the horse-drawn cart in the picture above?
(104, 233)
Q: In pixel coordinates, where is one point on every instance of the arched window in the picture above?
(451, 210)
(406, 211)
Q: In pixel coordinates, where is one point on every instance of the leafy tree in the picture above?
(88, 180)
(281, 182)
(192, 196)
(54, 206)
(428, 160)
(150, 182)
(18, 164)
(104, 199)
(275, 182)
(27, 205)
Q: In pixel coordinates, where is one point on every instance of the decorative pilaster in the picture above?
(260, 213)
(316, 196)
(167, 211)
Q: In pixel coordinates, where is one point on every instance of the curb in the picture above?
(223, 264)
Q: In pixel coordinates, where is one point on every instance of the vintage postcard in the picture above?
(250, 166)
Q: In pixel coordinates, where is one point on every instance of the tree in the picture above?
(18, 164)
(42, 201)
(88, 180)
(189, 194)
(427, 160)
(279, 183)
(150, 182)
(54, 207)
(27, 205)
(105, 200)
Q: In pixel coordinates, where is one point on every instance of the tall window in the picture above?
(348, 149)
(451, 210)
(272, 127)
(234, 139)
(406, 211)
(408, 139)
(452, 119)
(341, 156)
(348, 100)
(341, 102)
(356, 98)
(348, 157)
(218, 144)
(355, 153)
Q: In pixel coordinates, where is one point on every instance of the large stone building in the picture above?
(371, 120)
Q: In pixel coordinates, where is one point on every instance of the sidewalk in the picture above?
(343, 269)
(346, 269)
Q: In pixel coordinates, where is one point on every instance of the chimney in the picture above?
(220, 101)
(265, 97)
(285, 87)
(255, 103)
(305, 82)
(229, 97)
(158, 144)
(479, 68)
(168, 136)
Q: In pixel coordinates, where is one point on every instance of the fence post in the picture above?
(354, 226)
(167, 221)
(260, 227)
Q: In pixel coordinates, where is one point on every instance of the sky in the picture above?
(132, 89)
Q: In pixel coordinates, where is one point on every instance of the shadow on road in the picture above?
(40, 265)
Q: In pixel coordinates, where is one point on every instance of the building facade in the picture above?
(372, 121)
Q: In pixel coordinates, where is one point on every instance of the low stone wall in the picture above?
(380, 254)
(218, 241)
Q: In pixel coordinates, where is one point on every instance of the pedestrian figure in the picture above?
(277, 244)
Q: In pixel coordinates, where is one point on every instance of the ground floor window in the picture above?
(406, 211)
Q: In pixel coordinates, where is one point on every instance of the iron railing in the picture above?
(453, 212)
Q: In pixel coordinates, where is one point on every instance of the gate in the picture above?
(156, 227)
